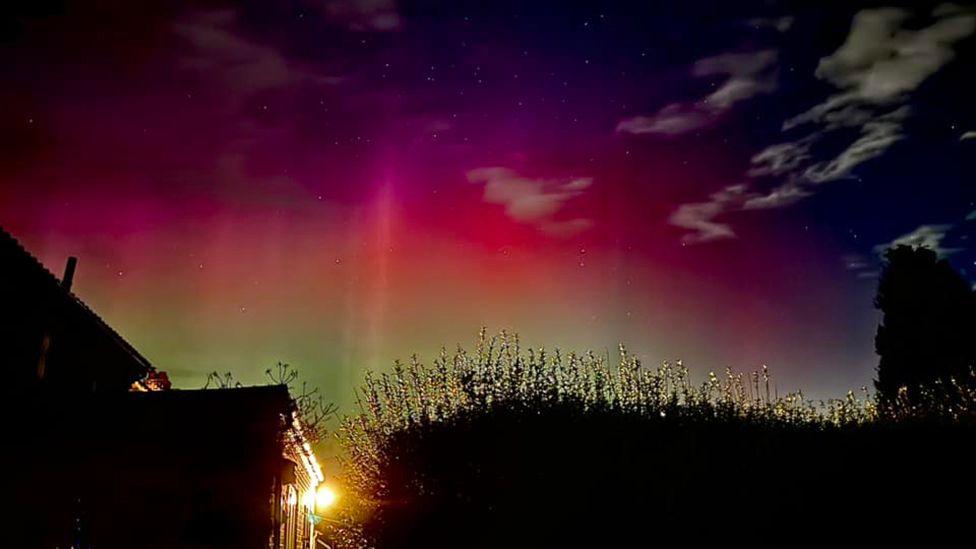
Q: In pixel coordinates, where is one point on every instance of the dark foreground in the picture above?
(521, 480)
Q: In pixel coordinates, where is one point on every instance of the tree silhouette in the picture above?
(928, 332)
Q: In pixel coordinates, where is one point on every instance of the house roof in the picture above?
(274, 397)
(180, 408)
(12, 251)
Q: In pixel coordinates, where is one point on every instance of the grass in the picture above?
(480, 445)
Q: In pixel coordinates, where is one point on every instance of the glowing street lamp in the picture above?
(325, 497)
(321, 499)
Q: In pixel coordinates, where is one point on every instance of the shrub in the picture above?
(482, 445)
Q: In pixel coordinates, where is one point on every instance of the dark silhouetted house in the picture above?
(50, 336)
(101, 455)
(218, 468)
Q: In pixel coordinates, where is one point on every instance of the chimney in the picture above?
(66, 280)
(69, 273)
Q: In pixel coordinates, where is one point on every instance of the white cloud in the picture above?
(968, 135)
(881, 62)
(875, 70)
(699, 217)
(784, 195)
(795, 161)
(749, 74)
(928, 236)
(876, 137)
(673, 119)
(533, 201)
(781, 158)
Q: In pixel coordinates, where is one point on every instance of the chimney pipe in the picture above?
(69, 273)
(66, 280)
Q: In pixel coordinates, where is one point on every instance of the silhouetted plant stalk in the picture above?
(312, 411)
(500, 376)
(216, 380)
(946, 399)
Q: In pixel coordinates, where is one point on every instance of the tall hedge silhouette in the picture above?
(511, 446)
(928, 331)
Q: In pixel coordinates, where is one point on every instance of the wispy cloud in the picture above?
(875, 71)
(968, 135)
(700, 217)
(781, 159)
(881, 61)
(533, 201)
(784, 195)
(928, 236)
(673, 119)
(854, 262)
(877, 135)
(862, 267)
(245, 67)
(749, 74)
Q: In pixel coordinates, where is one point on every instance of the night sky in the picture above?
(337, 183)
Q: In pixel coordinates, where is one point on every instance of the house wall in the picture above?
(188, 469)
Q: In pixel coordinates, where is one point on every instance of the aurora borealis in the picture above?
(336, 184)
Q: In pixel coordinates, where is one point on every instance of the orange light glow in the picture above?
(325, 497)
